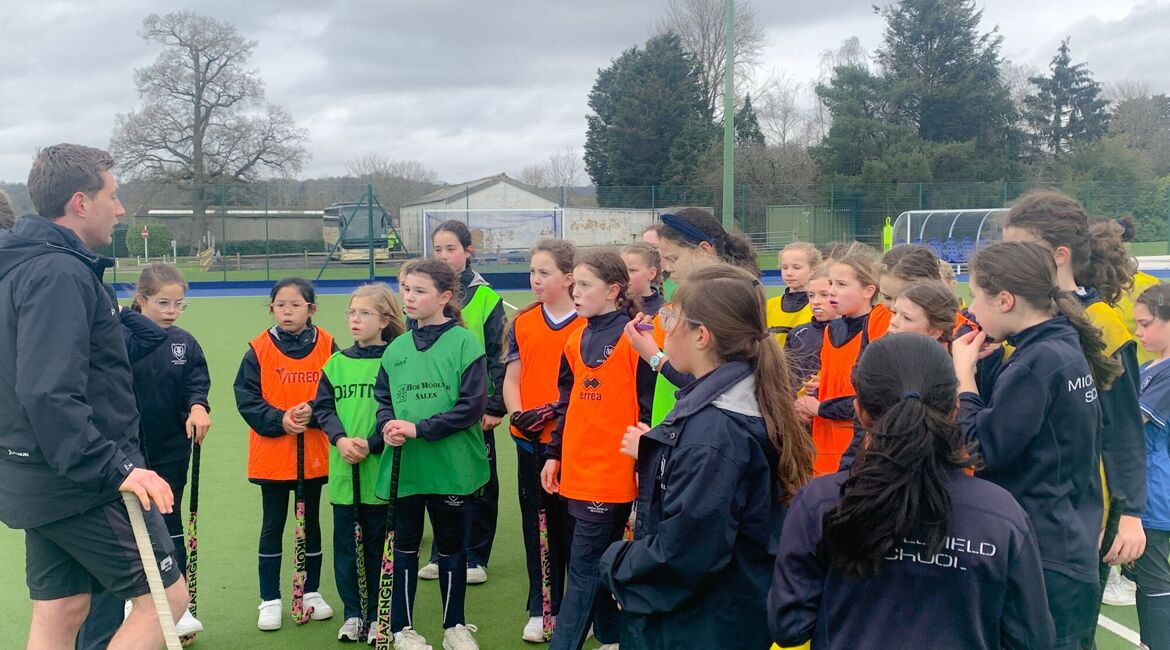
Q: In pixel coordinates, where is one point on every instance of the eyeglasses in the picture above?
(167, 305)
(670, 318)
(361, 314)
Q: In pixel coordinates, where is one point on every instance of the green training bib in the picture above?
(353, 395)
(423, 384)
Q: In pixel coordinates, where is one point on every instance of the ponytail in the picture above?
(730, 302)
(1110, 269)
(1105, 368)
(898, 487)
(1099, 259)
(789, 438)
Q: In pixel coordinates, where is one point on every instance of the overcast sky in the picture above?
(468, 88)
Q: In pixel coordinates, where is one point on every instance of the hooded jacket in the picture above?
(699, 567)
(69, 433)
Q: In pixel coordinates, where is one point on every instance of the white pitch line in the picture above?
(508, 304)
(1119, 629)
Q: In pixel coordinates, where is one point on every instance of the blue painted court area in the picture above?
(513, 281)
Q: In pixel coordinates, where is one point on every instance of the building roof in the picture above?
(450, 192)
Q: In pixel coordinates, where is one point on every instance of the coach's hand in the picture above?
(550, 478)
(198, 423)
(149, 487)
(1129, 544)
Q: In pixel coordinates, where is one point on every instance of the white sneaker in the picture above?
(476, 575)
(408, 639)
(372, 635)
(321, 609)
(459, 638)
(534, 630)
(351, 630)
(429, 572)
(608, 646)
(188, 625)
(270, 613)
(1117, 592)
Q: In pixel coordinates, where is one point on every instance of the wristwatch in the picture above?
(656, 360)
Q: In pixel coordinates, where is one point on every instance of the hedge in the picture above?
(274, 247)
(160, 240)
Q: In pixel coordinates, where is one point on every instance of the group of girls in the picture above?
(709, 468)
(1045, 375)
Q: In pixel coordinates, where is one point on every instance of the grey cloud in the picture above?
(470, 88)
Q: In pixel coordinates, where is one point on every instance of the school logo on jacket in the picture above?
(179, 354)
(608, 351)
(598, 508)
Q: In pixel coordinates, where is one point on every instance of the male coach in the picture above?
(69, 431)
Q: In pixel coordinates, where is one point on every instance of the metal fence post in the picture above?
(370, 231)
(223, 232)
(267, 246)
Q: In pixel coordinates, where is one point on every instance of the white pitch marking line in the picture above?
(1119, 629)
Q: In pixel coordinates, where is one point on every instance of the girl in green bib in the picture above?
(431, 393)
(347, 412)
(482, 311)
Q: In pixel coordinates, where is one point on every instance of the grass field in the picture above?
(230, 516)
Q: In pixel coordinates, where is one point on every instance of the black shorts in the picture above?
(95, 551)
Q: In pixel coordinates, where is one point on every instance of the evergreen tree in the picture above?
(943, 74)
(647, 126)
(747, 124)
(1067, 109)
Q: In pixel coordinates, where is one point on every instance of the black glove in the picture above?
(531, 422)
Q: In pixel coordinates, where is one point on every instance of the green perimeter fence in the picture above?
(266, 230)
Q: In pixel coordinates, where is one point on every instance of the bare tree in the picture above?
(535, 175)
(700, 26)
(561, 169)
(849, 53)
(1129, 89)
(203, 118)
(784, 117)
(377, 166)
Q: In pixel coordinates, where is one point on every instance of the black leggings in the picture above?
(448, 522)
(274, 503)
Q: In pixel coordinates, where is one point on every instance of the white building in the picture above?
(483, 195)
(507, 218)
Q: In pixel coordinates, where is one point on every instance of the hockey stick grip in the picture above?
(150, 565)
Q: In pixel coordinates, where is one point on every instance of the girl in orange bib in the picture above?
(853, 281)
(536, 342)
(277, 379)
(604, 388)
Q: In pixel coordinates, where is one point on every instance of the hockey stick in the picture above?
(299, 614)
(192, 529)
(547, 621)
(150, 565)
(386, 580)
(359, 544)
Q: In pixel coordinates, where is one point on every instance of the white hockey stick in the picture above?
(153, 578)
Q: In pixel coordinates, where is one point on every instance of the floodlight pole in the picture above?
(729, 117)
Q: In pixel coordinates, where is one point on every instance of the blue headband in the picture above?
(688, 230)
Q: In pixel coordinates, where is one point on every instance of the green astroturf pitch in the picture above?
(229, 521)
